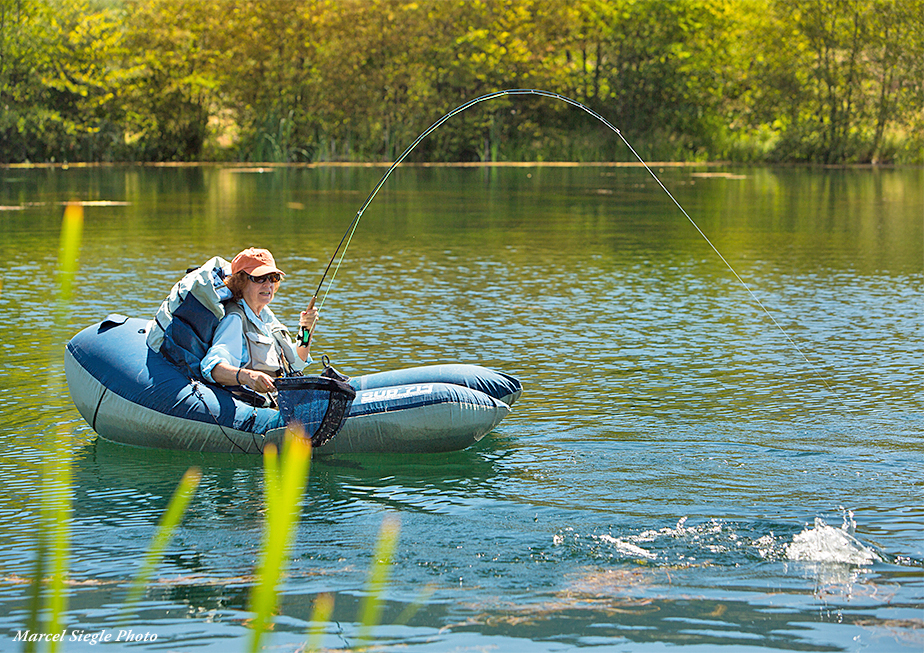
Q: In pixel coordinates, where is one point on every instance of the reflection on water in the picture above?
(675, 473)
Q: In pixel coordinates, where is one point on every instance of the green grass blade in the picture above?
(370, 610)
(320, 615)
(285, 484)
(53, 544)
(68, 252)
(57, 493)
(408, 613)
(168, 523)
(35, 587)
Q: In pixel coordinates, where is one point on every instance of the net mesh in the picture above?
(317, 405)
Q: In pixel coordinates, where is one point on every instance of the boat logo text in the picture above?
(398, 392)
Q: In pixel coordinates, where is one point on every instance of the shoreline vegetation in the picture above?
(324, 82)
(267, 166)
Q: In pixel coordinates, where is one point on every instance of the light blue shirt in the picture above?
(229, 343)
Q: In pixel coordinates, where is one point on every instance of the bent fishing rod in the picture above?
(351, 229)
(348, 236)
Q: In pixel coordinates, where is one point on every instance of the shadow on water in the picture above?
(127, 487)
(632, 605)
(207, 572)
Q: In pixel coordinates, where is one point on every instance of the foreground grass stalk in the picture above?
(168, 523)
(285, 485)
(370, 610)
(68, 254)
(57, 517)
(53, 545)
(320, 615)
(35, 586)
(408, 613)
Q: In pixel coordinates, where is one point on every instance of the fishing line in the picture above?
(348, 236)
(351, 229)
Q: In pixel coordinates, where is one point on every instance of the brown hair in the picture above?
(236, 283)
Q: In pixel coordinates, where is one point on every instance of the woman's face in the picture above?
(259, 291)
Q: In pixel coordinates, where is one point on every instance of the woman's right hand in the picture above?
(257, 380)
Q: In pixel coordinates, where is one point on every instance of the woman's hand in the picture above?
(257, 380)
(306, 322)
(227, 375)
(308, 317)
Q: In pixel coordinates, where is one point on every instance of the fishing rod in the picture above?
(348, 235)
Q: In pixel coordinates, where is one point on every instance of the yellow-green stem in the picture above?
(285, 485)
(168, 523)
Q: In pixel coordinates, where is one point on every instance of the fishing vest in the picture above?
(274, 354)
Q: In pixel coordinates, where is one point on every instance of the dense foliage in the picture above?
(827, 81)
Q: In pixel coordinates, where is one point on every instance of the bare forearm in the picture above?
(227, 375)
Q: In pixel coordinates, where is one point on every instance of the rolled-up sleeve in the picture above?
(227, 346)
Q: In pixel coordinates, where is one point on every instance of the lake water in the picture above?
(680, 471)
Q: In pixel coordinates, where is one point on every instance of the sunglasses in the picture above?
(275, 277)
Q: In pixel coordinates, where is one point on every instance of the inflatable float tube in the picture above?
(130, 394)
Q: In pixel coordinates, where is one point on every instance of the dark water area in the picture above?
(684, 469)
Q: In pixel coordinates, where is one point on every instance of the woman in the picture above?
(251, 347)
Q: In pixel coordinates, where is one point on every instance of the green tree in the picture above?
(270, 77)
(660, 70)
(836, 77)
(22, 39)
(171, 87)
(294, 80)
(489, 45)
(374, 76)
(57, 79)
(896, 60)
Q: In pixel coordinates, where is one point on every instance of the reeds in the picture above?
(168, 523)
(285, 478)
(55, 509)
(284, 486)
(370, 611)
(53, 548)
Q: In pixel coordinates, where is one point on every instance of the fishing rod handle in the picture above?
(304, 333)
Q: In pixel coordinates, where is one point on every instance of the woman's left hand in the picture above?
(308, 317)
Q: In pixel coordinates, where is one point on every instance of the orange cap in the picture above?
(255, 262)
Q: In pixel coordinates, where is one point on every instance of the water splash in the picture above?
(824, 543)
(628, 548)
(680, 544)
(725, 543)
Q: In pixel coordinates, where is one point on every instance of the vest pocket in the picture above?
(263, 353)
